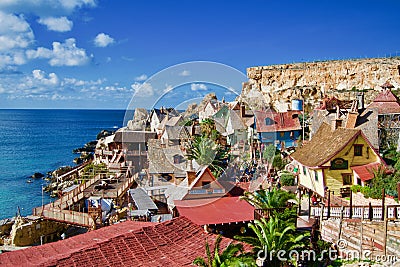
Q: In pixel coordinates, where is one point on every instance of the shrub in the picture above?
(356, 188)
(287, 179)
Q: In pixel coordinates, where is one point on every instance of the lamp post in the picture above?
(42, 196)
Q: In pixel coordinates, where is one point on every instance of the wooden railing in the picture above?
(266, 213)
(68, 216)
(361, 212)
(70, 198)
(127, 184)
(71, 172)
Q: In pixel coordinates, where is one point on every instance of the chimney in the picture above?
(360, 99)
(337, 122)
(281, 119)
(352, 116)
(351, 120)
(242, 110)
(191, 176)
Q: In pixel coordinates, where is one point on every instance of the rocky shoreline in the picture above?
(55, 184)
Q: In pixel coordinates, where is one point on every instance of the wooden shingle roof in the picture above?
(324, 145)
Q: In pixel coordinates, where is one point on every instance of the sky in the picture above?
(111, 54)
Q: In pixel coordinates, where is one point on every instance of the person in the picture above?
(314, 199)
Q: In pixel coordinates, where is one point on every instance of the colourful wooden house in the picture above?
(281, 129)
(328, 161)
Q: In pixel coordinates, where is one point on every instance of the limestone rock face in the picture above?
(139, 120)
(206, 99)
(140, 114)
(191, 109)
(312, 81)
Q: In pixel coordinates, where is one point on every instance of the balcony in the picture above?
(266, 213)
(206, 191)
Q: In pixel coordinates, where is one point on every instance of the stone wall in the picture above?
(313, 80)
(30, 232)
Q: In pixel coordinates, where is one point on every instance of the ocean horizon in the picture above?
(42, 140)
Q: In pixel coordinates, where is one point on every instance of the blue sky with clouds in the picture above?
(99, 53)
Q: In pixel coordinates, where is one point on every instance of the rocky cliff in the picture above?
(312, 81)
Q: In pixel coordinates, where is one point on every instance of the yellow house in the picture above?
(327, 161)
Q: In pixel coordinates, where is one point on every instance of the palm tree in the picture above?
(207, 127)
(275, 199)
(273, 236)
(265, 199)
(206, 152)
(231, 256)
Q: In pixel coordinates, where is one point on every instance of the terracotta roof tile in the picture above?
(216, 211)
(386, 102)
(173, 243)
(281, 121)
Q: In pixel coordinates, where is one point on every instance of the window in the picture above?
(269, 121)
(316, 176)
(347, 177)
(304, 170)
(205, 185)
(358, 150)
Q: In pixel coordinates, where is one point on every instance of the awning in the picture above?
(366, 172)
(142, 200)
(215, 210)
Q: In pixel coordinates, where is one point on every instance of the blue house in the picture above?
(281, 129)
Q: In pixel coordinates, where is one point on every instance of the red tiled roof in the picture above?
(386, 103)
(282, 121)
(172, 243)
(366, 172)
(215, 210)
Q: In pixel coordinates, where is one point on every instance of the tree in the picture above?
(231, 256)
(287, 178)
(269, 153)
(207, 127)
(265, 199)
(273, 236)
(273, 199)
(207, 152)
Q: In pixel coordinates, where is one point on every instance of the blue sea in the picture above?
(41, 141)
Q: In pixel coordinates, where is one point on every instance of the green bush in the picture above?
(287, 179)
(356, 188)
(366, 191)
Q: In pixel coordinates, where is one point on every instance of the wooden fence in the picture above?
(361, 212)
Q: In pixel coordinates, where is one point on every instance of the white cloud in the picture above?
(141, 78)
(40, 75)
(103, 40)
(62, 54)
(184, 73)
(198, 86)
(61, 24)
(15, 36)
(144, 89)
(44, 7)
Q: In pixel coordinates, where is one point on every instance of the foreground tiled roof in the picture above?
(216, 210)
(386, 102)
(49, 254)
(324, 145)
(173, 243)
